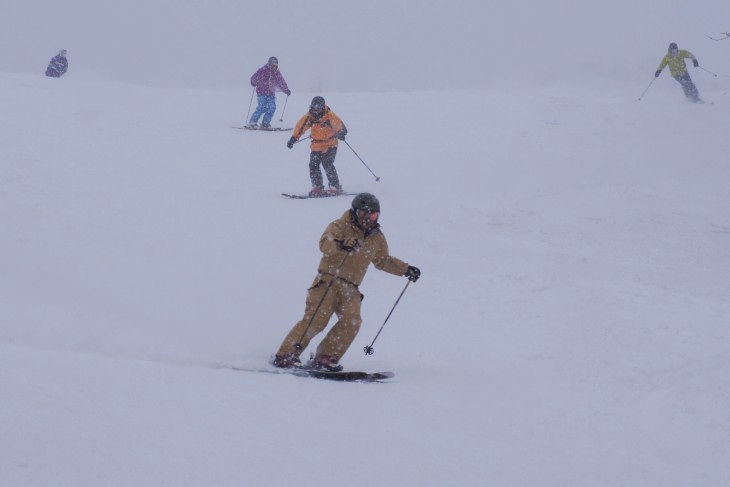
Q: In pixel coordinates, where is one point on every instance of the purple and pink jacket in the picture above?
(267, 80)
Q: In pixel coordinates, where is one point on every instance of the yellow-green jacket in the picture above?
(676, 63)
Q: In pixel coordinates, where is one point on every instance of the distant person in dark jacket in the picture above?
(58, 65)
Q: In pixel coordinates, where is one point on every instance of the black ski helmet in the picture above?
(366, 201)
(317, 102)
(316, 108)
(673, 46)
(273, 60)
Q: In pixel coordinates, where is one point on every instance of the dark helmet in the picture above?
(366, 211)
(366, 201)
(316, 108)
(673, 46)
(317, 102)
(273, 60)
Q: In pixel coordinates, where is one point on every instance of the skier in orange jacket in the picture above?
(327, 130)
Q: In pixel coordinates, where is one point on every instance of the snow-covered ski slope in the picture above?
(572, 312)
(570, 328)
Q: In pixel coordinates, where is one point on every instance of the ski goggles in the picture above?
(367, 215)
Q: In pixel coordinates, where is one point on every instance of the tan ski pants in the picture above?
(332, 296)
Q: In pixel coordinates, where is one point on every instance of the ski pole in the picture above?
(647, 88)
(284, 109)
(726, 34)
(298, 346)
(249, 103)
(703, 69)
(363, 162)
(369, 350)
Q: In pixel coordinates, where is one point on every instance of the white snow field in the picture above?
(570, 328)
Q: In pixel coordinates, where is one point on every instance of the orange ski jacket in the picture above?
(324, 130)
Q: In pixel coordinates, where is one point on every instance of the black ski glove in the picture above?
(658, 72)
(341, 134)
(696, 63)
(288, 92)
(349, 244)
(291, 142)
(413, 273)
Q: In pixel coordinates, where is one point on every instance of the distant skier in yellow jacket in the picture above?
(677, 68)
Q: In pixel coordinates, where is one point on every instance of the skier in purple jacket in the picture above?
(267, 80)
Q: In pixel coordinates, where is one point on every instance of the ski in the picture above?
(268, 129)
(344, 375)
(306, 196)
(341, 376)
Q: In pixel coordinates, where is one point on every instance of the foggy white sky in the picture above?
(378, 45)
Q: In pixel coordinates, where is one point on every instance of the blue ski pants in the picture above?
(266, 106)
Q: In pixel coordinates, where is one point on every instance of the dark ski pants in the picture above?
(327, 296)
(327, 160)
(690, 90)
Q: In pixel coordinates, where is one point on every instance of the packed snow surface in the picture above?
(570, 327)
